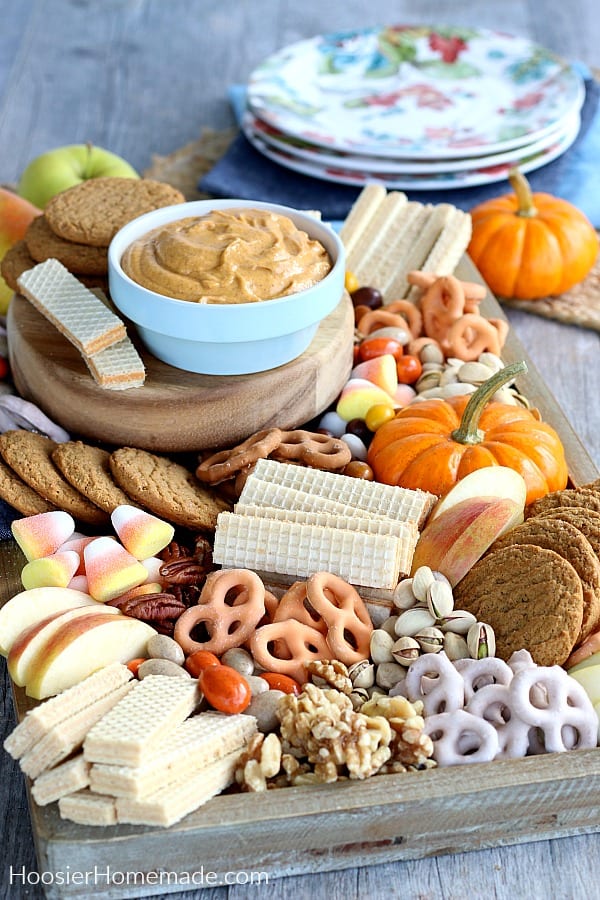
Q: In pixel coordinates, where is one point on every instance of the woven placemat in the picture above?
(184, 168)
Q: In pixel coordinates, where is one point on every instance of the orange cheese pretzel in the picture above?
(293, 645)
(228, 625)
(349, 625)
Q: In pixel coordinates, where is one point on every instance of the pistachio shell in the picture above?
(459, 621)
(381, 646)
(388, 674)
(473, 372)
(481, 640)
(362, 674)
(440, 601)
(455, 646)
(406, 650)
(490, 360)
(430, 640)
(457, 390)
(421, 581)
(431, 353)
(404, 597)
(413, 620)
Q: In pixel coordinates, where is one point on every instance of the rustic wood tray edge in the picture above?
(300, 830)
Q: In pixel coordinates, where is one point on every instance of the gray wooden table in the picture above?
(145, 76)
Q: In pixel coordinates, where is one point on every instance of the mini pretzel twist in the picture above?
(471, 335)
(295, 605)
(547, 698)
(473, 291)
(433, 679)
(442, 304)
(227, 625)
(411, 313)
(382, 318)
(319, 451)
(349, 625)
(460, 737)
(294, 644)
(227, 463)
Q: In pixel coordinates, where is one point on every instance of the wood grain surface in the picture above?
(143, 77)
(176, 411)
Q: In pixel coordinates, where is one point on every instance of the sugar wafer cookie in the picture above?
(361, 213)
(118, 367)
(448, 249)
(378, 229)
(190, 747)
(66, 778)
(71, 307)
(85, 808)
(272, 545)
(397, 286)
(39, 720)
(172, 802)
(379, 265)
(130, 732)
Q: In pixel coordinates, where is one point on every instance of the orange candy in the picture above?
(200, 660)
(370, 348)
(225, 689)
(134, 664)
(278, 682)
(409, 369)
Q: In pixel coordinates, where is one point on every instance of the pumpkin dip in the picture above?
(227, 256)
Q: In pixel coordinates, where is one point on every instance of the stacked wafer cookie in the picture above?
(130, 751)
(294, 521)
(386, 236)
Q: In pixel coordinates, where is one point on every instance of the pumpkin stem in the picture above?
(520, 186)
(468, 432)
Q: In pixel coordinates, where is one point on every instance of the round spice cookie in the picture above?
(19, 495)
(30, 456)
(87, 468)
(166, 488)
(80, 259)
(93, 211)
(15, 261)
(531, 597)
(586, 520)
(586, 497)
(566, 540)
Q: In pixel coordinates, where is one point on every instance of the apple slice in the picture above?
(29, 607)
(491, 481)
(81, 647)
(27, 643)
(589, 679)
(460, 535)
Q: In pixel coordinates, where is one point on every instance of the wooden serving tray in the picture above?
(176, 411)
(392, 817)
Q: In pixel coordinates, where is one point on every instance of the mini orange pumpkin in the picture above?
(531, 246)
(433, 444)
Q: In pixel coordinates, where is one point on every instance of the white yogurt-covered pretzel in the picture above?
(477, 673)
(493, 703)
(460, 737)
(433, 679)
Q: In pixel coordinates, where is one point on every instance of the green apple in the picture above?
(59, 169)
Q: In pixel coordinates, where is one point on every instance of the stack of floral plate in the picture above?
(419, 107)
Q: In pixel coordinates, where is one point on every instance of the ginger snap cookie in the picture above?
(87, 468)
(81, 259)
(586, 520)
(532, 598)
(19, 495)
(30, 456)
(586, 497)
(15, 261)
(569, 542)
(93, 211)
(166, 488)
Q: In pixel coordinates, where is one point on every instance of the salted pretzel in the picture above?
(295, 604)
(226, 464)
(349, 625)
(287, 646)
(460, 737)
(470, 336)
(411, 313)
(228, 624)
(472, 290)
(442, 304)
(319, 451)
(382, 318)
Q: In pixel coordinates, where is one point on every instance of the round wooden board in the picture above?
(175, 411)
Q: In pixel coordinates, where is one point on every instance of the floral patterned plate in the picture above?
(425, 92)
(436, 181)
(255, 127)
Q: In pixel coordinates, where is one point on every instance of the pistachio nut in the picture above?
(431, 353)
(490, 360)
(413, 620)
(430, 640)
(449, 376)
(457, 390)
(403, 597)
(455, 646)
(406, 650)
(440, 601)
(428, 381)
(381, 646)
(358, 697)
(458, 621)
(481, 640)
(474, 372)
(362, 674)
(390, 625)
(388, 674)
(422, 578)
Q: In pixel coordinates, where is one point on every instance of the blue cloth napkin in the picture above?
(246, 174)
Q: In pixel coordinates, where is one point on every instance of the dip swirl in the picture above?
(228, 256)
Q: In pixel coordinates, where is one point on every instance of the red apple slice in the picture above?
(81, 647)
(490, 481)
(29, 607)
(28, 642)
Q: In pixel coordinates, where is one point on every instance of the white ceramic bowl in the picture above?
(231, 339)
